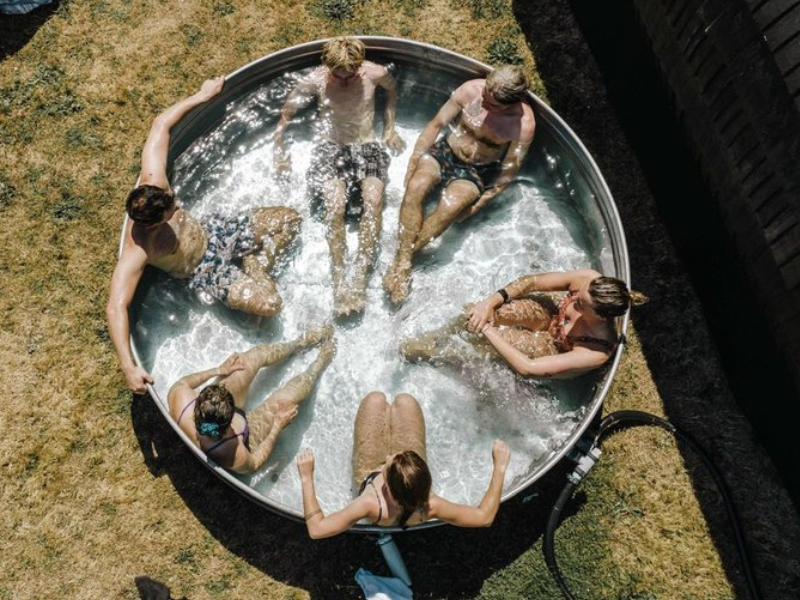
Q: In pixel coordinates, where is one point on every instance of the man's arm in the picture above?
(126, 277)
(300, 97)
(567, 364)
(426, 139)
(390, 137)
(154, 153)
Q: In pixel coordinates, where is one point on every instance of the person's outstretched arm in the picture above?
(482, 515)
(194, 380)
(390, 137)
(319, 525)
(483, 312)
(126, 277)
(300, 97)
(567, 364)
(154, 153)
(427, 137)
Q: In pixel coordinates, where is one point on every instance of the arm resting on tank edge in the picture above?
(319, 525)
(127, 274)
(154, 153)
(484, 514)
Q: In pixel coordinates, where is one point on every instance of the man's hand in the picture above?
(210, 88)
(136, 379)
(233, 363)
(395, 143)
(305, 464)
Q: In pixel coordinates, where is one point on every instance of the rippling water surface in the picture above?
(544, 222)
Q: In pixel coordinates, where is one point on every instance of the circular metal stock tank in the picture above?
(588, 190)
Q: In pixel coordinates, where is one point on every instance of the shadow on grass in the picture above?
(17, 30)
(444, 562)
(669, 215)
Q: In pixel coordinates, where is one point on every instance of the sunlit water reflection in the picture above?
(544, 222)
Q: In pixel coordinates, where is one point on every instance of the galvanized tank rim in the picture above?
(408, 49)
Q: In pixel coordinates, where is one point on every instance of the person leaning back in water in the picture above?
(579, 335)
(475, 161)
(214, 418)
(347, 156)
(162, 234)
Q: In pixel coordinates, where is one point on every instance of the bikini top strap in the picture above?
(180, 416)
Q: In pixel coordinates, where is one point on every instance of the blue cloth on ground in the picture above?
(382, 588)
(20, 7)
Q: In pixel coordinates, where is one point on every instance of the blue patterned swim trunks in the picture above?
(229, 239)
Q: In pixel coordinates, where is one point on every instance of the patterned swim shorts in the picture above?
(351, 163)
(454, 168)
(229, 239)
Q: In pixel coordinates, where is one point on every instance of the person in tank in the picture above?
(348, 164)
(392, 476)
(490, 130)
(214, 418)
(574, 337)
(224, 258)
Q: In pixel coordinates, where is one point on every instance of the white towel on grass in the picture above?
(382, 588)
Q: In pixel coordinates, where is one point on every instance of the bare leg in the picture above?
(334, 192)
(368, 234)
(274, 227)
(525, 324)
(455, 198)
(407, 426)
(255, 294)
(296, 390)
(370, 436)
(397, 278)
(258, 357)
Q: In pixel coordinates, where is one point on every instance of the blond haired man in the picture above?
(475, 161)
(348, 159)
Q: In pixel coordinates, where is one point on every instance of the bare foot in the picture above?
(315, 335)
(397, 281)
(326, 353)
(358, 299)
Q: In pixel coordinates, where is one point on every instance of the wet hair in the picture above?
(611, 297)
(147, 204)
(409, 480)
(213, 411)
(508, 84)
(344, 53)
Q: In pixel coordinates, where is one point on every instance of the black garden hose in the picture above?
(628, 418)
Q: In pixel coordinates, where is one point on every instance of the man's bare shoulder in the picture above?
(373, 71)
(527, 123)
(467, 92)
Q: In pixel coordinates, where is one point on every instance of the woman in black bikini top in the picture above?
(579, 337)
(398, 493)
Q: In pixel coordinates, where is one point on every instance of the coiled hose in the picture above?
(628, 418)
